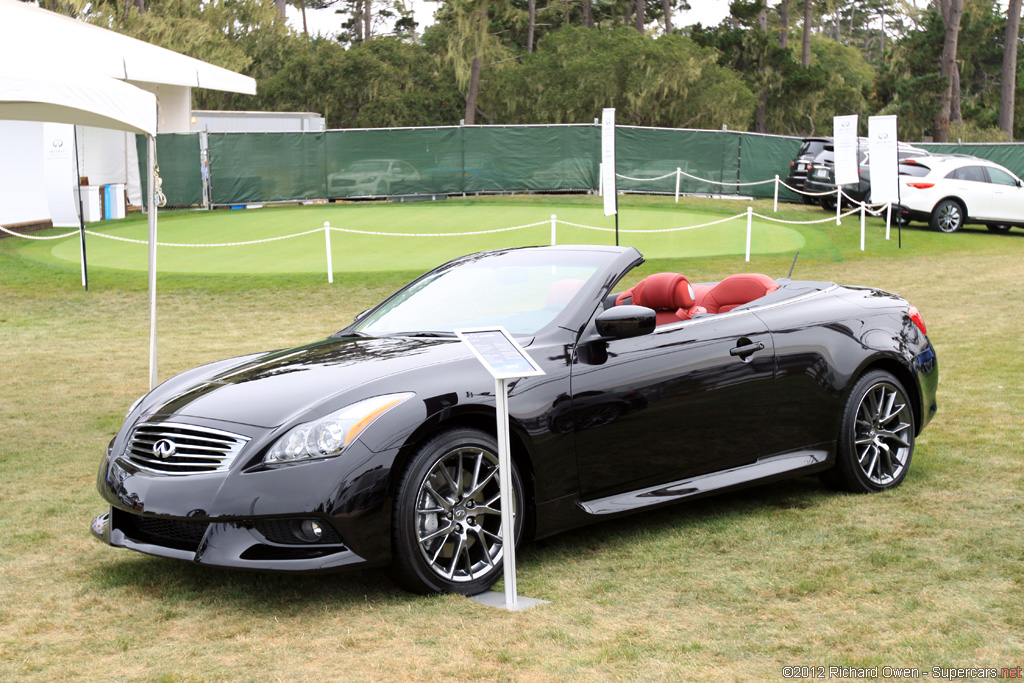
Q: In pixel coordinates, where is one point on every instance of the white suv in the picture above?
(949, 191)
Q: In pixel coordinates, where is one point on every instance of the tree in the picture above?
(768, 70)
(805, 58)
(783, 10)
(471, 45)
(951, 11)
(216, 31)
(532, 5)
(1008, 78)
(668, 81)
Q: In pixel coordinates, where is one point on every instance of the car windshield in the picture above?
(811, 148)
(914, 169)
(370, 165)
(522, 290)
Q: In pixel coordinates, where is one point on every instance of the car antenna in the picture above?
(790, 276)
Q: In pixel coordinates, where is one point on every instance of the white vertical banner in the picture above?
(882, 147)
(844, 134)
(59, 174)
(611, 205)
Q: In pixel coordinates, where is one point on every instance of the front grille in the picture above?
(171, 530)
(182, 534)
(170, 448)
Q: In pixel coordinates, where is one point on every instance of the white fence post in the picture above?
(679, 174)
(554, 221)
(888, 220)
(750, 220)
(600, 179)
(330, 263)
(775, 209)
(839, 202)
(862, 226)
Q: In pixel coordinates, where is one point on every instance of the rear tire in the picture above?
(948, 216)
(999, 228)
(876, 436)
(828, 202)
(446, 527)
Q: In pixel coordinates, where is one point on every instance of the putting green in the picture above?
(361, 253)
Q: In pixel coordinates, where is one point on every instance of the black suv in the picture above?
(809, 149)
(821, 176)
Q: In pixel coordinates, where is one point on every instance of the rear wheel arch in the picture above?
(906, 378)
(964, 213)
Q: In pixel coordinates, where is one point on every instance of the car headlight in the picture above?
(331, 434)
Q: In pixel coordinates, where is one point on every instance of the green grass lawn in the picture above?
(356, 252)
(729, 588)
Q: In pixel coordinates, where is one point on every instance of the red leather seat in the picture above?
(669, 294)
(736, 290)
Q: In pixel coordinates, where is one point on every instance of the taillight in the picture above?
(915, 317)
(921, 186)
(791, 164)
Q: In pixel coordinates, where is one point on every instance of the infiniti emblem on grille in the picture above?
(164, 448)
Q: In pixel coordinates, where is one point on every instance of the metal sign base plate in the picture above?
(496, 599)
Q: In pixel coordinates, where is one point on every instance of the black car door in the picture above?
(690, 398)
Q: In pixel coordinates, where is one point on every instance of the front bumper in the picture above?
(238, 544)
(248, 518)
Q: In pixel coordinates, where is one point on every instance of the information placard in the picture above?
(845, 143)
(884, 159)
(503, 357)
(611, 203)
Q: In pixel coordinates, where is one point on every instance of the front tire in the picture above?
(1000, 228)
(446, 529)
(948, 216)
(876, 436)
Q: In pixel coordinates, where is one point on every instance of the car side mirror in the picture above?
(620, 322)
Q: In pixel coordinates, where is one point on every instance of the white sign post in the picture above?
(845, 141)
(608, 181)
(505, 359)
(883, 148)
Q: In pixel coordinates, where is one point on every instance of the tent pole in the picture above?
(151, 186)
(81, 212)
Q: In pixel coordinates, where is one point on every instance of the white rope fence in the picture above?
(873, 209)
(327, 229)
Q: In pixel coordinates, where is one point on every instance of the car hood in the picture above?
(278, 387)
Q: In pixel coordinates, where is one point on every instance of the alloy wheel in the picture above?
(882, 434)
(458, 515)
(950, 217)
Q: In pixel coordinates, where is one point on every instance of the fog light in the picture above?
(308, 531)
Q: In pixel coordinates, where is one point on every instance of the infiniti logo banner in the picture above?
(164, 448)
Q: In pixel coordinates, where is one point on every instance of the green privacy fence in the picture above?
(1009, 155)
(266, 167)
(178, 156)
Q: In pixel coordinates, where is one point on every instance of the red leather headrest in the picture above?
(664, 291)
(737, 290)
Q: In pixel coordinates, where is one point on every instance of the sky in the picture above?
(327, 23)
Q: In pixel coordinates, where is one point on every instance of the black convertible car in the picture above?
(376, 446)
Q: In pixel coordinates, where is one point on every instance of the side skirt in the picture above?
(777, 466)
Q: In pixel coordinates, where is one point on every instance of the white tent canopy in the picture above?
(50, 94)
(81, 81)
(46, 95)
(26, 32)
